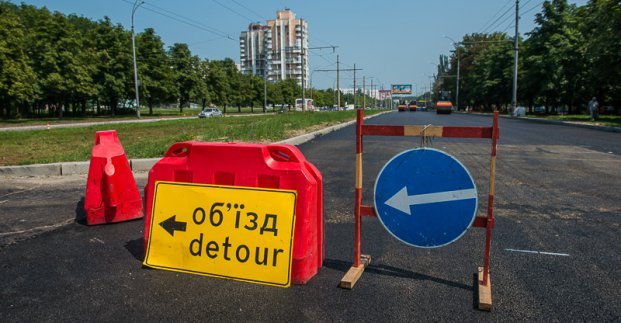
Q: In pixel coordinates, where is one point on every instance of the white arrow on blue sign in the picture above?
(425, 198)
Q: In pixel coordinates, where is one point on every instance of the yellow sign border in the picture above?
(181, 270)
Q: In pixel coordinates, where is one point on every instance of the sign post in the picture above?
(402, 197)
(231, 232)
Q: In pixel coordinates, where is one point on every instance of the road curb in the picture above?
(73, 168)
(554, 122)
(142, 164)
(54, 169)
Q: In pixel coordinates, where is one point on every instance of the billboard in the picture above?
(385, 94)
(401, 88)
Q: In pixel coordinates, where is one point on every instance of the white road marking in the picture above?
(539, 252)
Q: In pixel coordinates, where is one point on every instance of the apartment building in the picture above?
(276, 50)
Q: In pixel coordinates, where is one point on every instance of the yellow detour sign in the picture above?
(240, 233)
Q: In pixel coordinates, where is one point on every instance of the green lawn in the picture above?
(143, 140)
(129, 115)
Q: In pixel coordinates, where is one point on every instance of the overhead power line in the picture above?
(537, 5)
(496, 14)
(526, 3)
(182, 19)
(498, 20)
(509, 26)
(250, 10)
(233, 11)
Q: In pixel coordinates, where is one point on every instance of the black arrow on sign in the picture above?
(171, 225)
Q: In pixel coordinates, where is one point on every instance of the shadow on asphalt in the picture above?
(475, 287)
(385, 270)
(136, 248)
(80, 214)
(339, 265)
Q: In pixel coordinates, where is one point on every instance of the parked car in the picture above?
(539, 110)
(210, 113)
(519, 112)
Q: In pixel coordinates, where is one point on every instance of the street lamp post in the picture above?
(458, 65)
(137, 4)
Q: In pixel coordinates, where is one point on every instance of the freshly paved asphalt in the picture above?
(557, 191)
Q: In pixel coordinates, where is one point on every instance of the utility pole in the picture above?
(354, 86)
(338, 85)
(338, 70)
(515, 56)
(372, 96)
(137, 4)
(457, 85)
(364, 93)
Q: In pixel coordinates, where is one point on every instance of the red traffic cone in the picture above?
(111, 191)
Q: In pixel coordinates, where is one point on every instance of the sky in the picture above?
(393, 42)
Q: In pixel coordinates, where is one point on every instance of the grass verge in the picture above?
(145, 140)
(127, 115)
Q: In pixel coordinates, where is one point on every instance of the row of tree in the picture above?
(573, 54)
(52, 64)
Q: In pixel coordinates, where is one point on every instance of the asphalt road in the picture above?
(557, 192)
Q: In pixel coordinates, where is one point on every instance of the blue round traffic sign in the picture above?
(425, 198)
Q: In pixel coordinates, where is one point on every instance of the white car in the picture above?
(210, 113)
(519, 112)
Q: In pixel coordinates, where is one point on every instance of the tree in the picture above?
(156, 77)
(18, 85)
(290, 90)
(218, 84)
(77, 60)
(114, 76)
(274, 94)
(494, 70)
(186, 77)
(554, 56)
(202, 93)
(602, 22)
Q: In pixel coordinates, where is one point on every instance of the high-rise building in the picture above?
(277, 50)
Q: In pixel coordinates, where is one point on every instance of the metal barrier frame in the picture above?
(362, 261)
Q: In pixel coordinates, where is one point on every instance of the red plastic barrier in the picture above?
(253, 165)
(111, 191)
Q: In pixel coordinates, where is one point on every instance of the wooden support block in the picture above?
(485, 292)
(354, 273)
